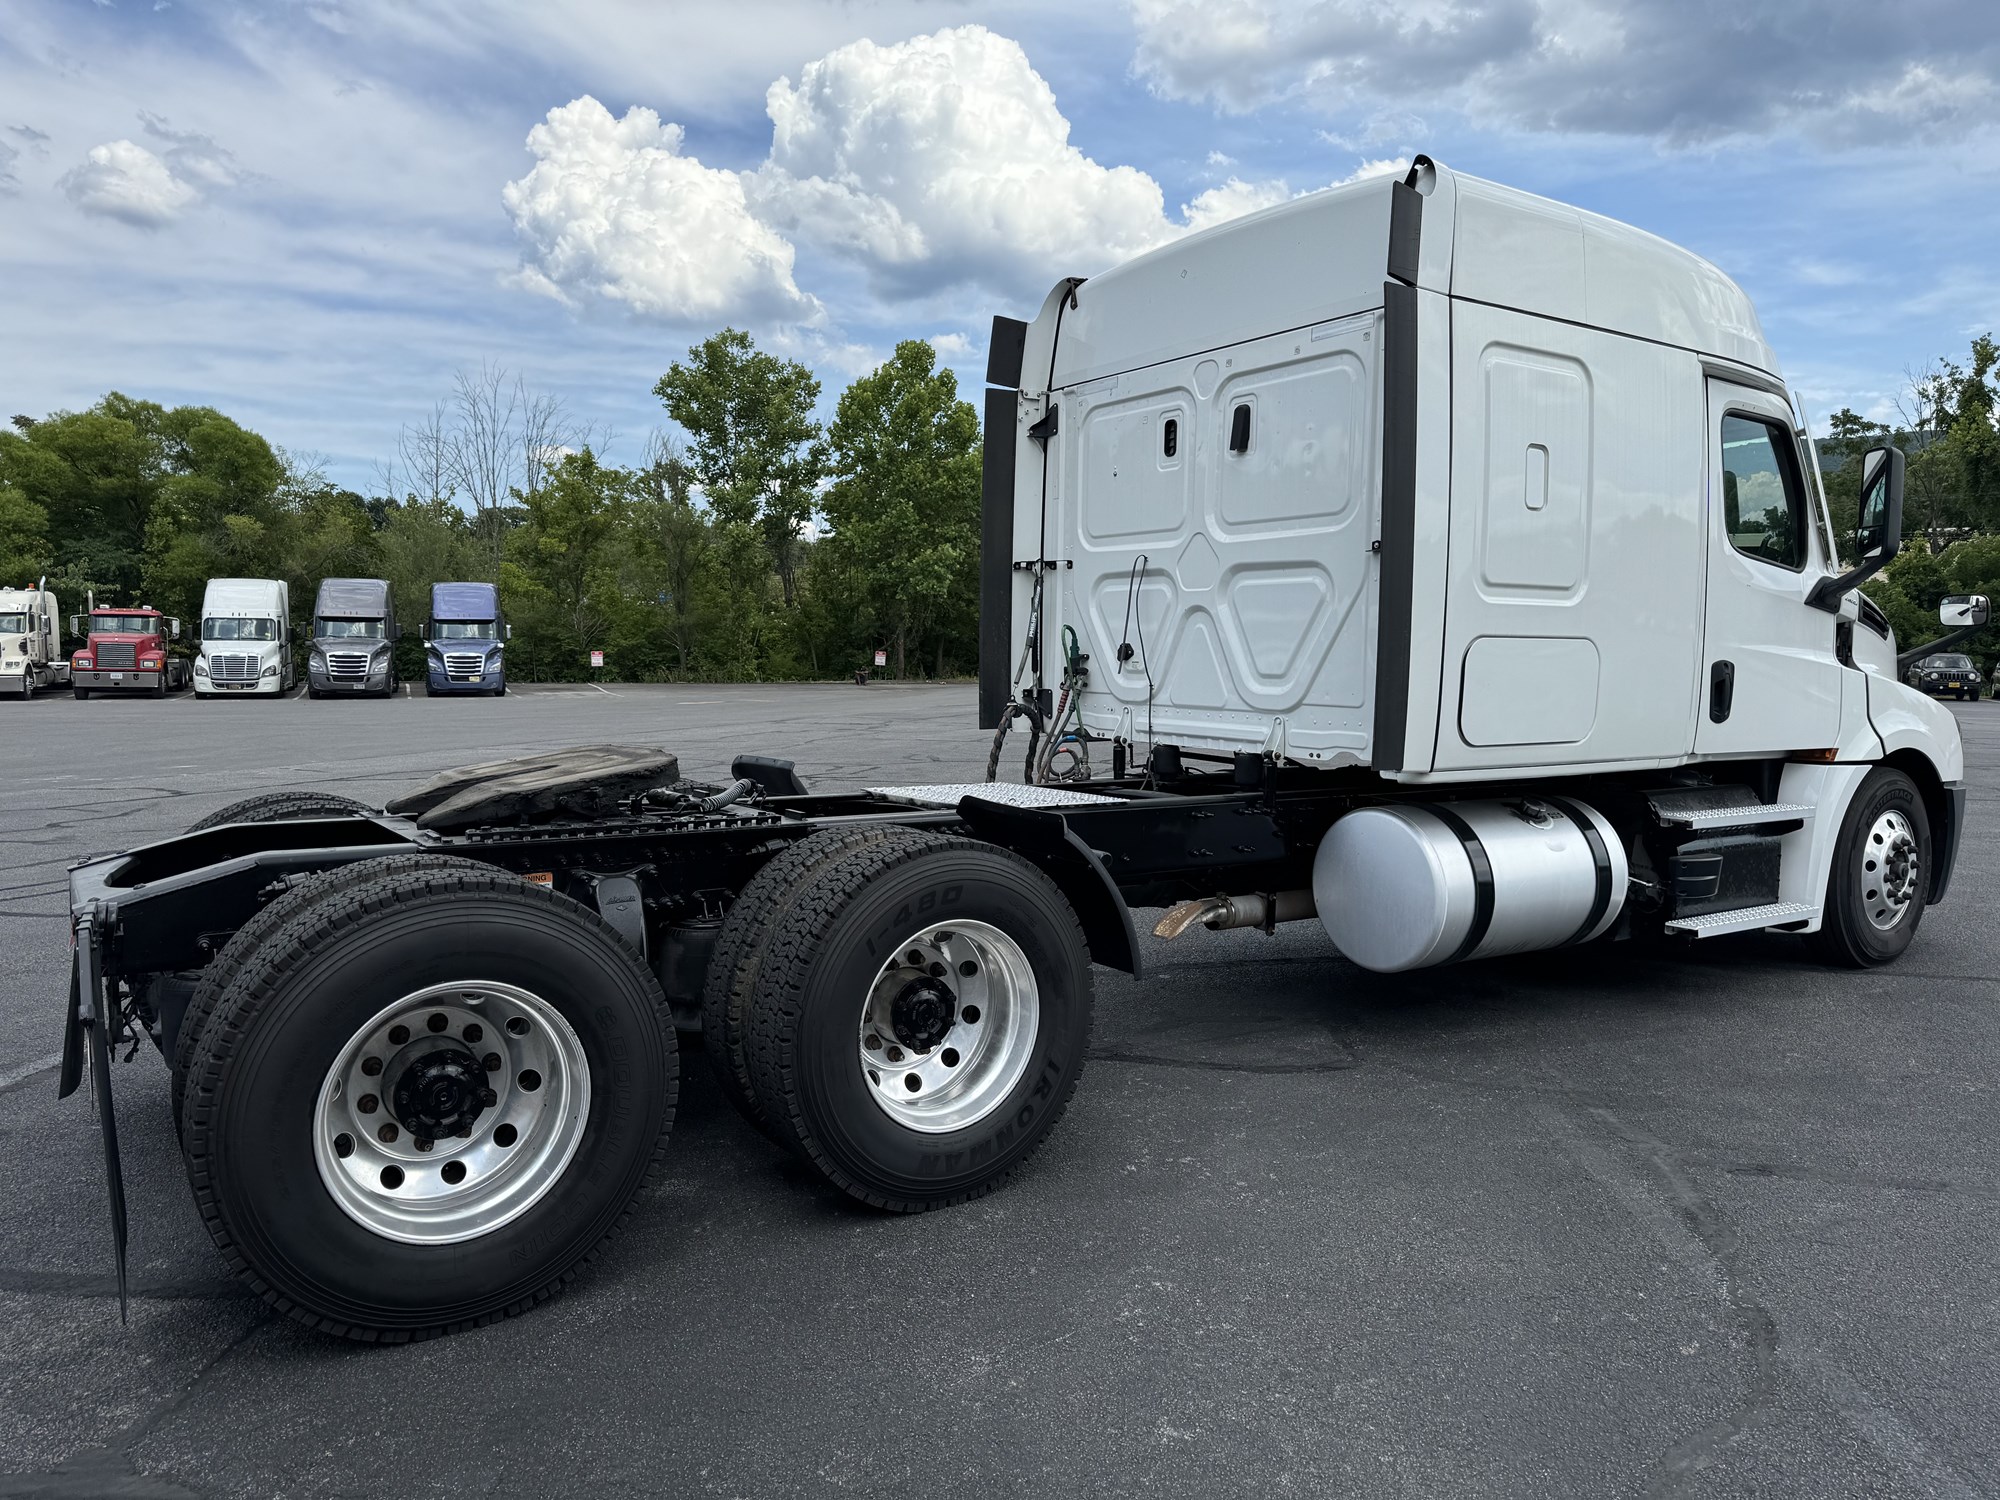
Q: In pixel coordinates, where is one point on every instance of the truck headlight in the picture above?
(83, 661)
(271, 670)
(200, 666)
(149, 663)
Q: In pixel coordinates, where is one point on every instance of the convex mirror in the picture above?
(1961, 610)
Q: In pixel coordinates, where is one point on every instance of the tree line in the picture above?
(761, 543)
(765, 545)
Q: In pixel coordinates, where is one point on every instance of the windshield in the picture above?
(1949, 663)
(124, 625)
(13, 624)
(213, 629)
(463, 630)
(354, 630)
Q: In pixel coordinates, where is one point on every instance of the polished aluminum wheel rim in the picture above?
(517, 1134)
(948, 1027)
(1891, 870)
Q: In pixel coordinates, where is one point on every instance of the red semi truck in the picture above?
(126, 652)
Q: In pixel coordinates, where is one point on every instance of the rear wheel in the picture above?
(920, 1018)
(1880, 878)
(427, 1104)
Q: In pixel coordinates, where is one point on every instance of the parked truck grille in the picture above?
(232, 668)
(464, 666)
(115, 656)
(347, 666)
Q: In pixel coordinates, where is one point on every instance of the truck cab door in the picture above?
(1771, 679)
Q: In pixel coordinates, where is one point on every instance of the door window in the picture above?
(1763, 499)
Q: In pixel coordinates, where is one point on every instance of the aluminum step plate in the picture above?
(949, 794)
(1740, 817)
(1749, 919)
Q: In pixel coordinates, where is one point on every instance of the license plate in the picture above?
(117, 676)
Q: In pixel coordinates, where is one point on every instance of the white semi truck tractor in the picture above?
(31, 654)
(1421, 558)
(246, 639)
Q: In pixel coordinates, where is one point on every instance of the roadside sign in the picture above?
(597, 658)
(881, 658)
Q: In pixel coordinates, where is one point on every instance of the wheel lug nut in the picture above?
(371, 1065)
(872, 1042)
(916, 959)
(387, 1134)
(399, 1034)
(368, 1104)
(438, 1022)
(894, 1054)
(474, 1032)
(938, 971)
(487, 1098)
(491, 1062)
(421, 1143)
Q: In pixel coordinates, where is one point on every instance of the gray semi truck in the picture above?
(354, 640)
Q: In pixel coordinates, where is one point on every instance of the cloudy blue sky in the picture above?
(311, 213)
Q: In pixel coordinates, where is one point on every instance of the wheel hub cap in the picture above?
(922, 1013)
(442, 1093)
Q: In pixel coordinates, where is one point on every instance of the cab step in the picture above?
(1747, 919)
(1754, 815)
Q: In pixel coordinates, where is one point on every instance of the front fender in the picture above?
(1907, 720)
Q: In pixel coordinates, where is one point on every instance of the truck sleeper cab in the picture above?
(1420, 558)
(465, 643)
(246, 639)
(354, 639)
(30, 643)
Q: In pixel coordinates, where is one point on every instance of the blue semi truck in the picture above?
(464, 646)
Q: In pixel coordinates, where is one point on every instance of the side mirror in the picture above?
(510, 632)
(76, 625)
(1878, 528)
(1963, 610)
(173, 630)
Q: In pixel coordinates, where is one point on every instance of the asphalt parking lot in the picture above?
(1717, 1222)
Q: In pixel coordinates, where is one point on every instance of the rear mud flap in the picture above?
(87, 1033)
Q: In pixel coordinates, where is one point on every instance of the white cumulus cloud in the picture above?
(939, 162)
(612, 209)
(123, 180)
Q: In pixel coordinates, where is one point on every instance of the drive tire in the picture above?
(740, 947)
(81, 693)
(208, 985)
(312, 993)
(823, 955)
(282, 807)
(1847, 937)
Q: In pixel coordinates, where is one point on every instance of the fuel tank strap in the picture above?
(1600, 855)
(1482, 879)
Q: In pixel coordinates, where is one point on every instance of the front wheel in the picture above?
(1880, 880)
(428, 1105)
(919, 1019)
(81, 693)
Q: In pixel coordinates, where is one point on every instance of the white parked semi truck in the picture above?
(31, 654)
(246, 639)
(1421, 557)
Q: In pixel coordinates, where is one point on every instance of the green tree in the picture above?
(904, 507)
(24, 540)
(560, 577)
(755, 447)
